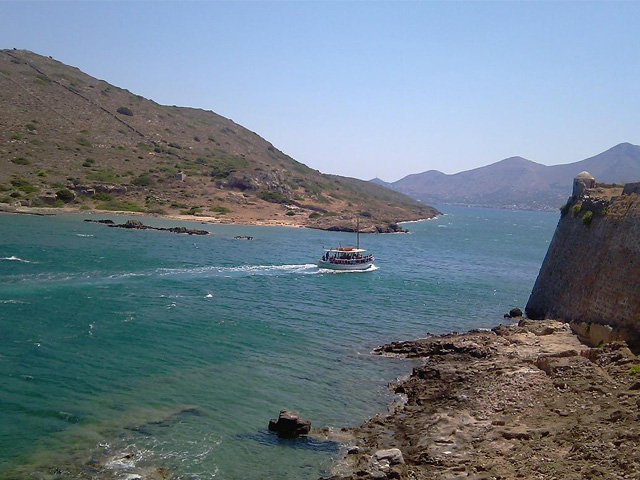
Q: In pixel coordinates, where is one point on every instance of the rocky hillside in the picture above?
(519, 183)
(68, 139)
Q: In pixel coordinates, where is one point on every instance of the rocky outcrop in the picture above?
(590, 272)
(290, 424)
(526, 401)
(138, 225)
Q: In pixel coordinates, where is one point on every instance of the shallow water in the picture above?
(122, 350)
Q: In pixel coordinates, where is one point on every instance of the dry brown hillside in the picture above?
(67, 138)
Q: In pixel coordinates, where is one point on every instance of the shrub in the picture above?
(191, 211)
(366, 214)
(290, 213)
(175, 145)
(42, 173)
(31, 127)
(272, 197)
(125, 111)
(634, 370)
(83, 142)
(65, 195)
(143, 180)
(220, 210)
(575, 210)
(24, 185)
(104, 176)
(20, 161)
(564, 209)
(314, 215)
(88, 162)
(587, 217)
(16, 136)
(102, 197)
(121, 205)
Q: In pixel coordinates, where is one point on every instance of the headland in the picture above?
(556, 396)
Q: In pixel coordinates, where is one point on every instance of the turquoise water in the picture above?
(123, 350)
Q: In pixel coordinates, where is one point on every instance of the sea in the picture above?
(131, 353)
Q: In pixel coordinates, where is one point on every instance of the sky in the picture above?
(368, 88)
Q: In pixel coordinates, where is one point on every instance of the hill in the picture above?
(520, 183)
(68, 139)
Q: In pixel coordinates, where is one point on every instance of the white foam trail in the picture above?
(83, 235)
(305, 269)
(372, 268)
(13, 258)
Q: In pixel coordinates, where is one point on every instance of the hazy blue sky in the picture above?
(368, 88)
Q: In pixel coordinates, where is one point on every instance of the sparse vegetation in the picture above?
(24, 185)
(65, 195)
(191, 211)
(587, 218)
(575, 210)
(125, 111)
(20, 161)
(273, 197)
(314, 215)
(564, 209)
(143, 180)
(83, 142)
(103, 176)
(634, 370)
(102, 197)
(120, 205)
(220, 210)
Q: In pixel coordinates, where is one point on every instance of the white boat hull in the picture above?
(344, 266)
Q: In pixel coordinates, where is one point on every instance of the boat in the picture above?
(347, 258)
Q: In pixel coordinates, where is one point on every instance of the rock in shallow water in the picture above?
(290, 424)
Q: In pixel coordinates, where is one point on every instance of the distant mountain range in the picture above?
(517, 182)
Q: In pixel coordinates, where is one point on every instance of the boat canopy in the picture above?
(345, 250)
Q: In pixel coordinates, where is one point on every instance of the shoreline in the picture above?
(519, 401)
(42, 211)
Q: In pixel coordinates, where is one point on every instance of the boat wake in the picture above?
(329, 270)
(242, 270)
(13, 258)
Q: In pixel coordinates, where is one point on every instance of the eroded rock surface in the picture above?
(518, 402)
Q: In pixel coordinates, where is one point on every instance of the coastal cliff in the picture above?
(589, 276)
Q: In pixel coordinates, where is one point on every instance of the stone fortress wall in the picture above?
(591, 273)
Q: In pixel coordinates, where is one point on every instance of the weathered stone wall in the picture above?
(591, 272)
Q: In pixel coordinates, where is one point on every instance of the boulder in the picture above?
(290, 424)
(133, 224)
(513, 313)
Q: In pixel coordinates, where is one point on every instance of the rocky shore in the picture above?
(526, 401)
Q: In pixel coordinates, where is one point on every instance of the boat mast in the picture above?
(357, 232)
